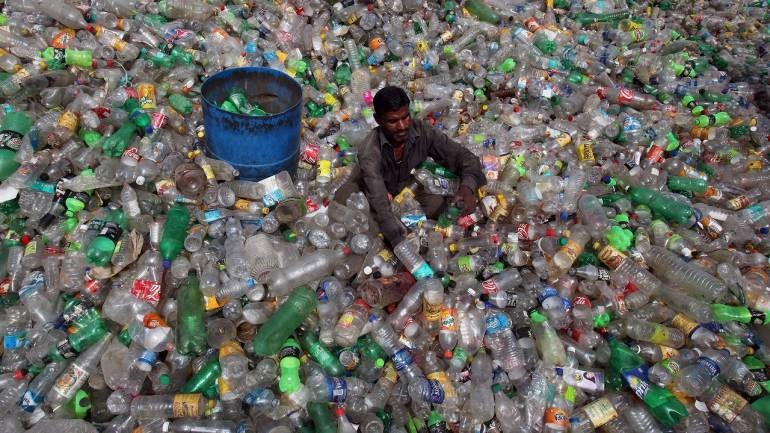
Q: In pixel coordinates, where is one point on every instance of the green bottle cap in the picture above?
(379, 363)
(164, 379)
(80, 404)
(537, 317)
(507, 65)
(496, 387)
(3, 19)
(601, 320)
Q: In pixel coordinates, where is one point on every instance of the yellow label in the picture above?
(390, 373)
(242, 204)
(68, 120)
(448, 322)
(572, 249)
(20, 75)
(118, 44)
(659, 335)
(684, 324)
(230, 348)
(211, 303)
(208, 171)
(324, 168)
(585, 152)
(31, 248)
(600, 412)
(727, 404)
(224, 386)
(346, 320)
(668, 352)
(330, 100)
(281, 56)
(432, 312)
(186, 405)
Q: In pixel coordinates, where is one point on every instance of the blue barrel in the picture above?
(258, 147)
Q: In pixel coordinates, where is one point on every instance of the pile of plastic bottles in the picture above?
(615, 276)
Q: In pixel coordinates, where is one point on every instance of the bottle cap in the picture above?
(164, 379)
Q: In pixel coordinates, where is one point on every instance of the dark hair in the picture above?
(390, 98)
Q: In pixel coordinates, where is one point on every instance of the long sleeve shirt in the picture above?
(382, 174)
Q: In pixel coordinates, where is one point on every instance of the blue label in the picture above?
(547, 292)
(709, 365)
(336, 389)
(30, 401)
(32, 284)
(432, 392)
(212, 215)
(637, 381)
(13, 341)
(497, 322)
(258, 396)
(402, 359)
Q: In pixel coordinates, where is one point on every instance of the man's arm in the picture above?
(377, 194)
(455, 157)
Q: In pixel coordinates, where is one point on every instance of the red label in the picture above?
(133, 153)
(310, 153)
(625, 95)
(581, 300)
(489, 287)
(146, 290)
(153, 320)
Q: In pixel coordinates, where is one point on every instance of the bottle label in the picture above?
(611, 257)
(69, 382)
(547, 292)
(30, 401)
(186, 405)
(727, 404)
(496, 323)
(465, 264)
(556, 416)
(289, 351)
(230, 348)
(684, 324)
(600, 412)
(668, 352)
(432, 392)
(146, 290)
(637, 381)
(257, 396)
(111, 231)
(709, 365)
(336, 389)
(589, 381)
(423, 272)
(11, 139)
(442, 378)
(489, 287)
(448, 323)
(572, 250)
(14, 341)
(346, 320)
(431, 312)
(33, 283)
(212, 215)
(402, 359)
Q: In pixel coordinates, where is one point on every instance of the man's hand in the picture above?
(468, 199)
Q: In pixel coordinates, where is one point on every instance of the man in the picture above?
(390, 152)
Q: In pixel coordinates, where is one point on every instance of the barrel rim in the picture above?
(210, 104)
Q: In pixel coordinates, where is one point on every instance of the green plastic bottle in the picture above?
(323, 421)
(135, 112)
(586, 18)
(174, 232)
(741, 314)
(664, 207)
(100, 249)
(61, 57)
(115, 144)
(481, 11)
(289, 380)
(180, 104)
(321, 354)
(191, 327)
(284, 321)
(14, 127)
(660, 402)
(204, 378)
(688, 184)
(86, 331)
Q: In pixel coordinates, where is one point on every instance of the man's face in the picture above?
(395, 124)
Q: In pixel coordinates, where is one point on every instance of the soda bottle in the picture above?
(174, 233)
(191, 329)
(284, 321)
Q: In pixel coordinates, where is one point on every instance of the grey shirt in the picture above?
(382, 174)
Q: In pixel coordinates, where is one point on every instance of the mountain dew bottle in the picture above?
(740, 314)
(660, 402)
(101, 248)
(14, 127)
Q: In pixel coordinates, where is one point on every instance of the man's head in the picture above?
(391, 111)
